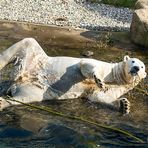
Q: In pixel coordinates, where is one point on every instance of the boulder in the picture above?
(140, 4)
(139, 25)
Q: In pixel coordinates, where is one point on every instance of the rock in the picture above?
(88, 53)
(139, 25)
(140, 4)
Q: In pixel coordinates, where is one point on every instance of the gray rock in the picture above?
(88, 53)
(139, 25)
(140, 4)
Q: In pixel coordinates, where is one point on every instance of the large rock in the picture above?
(141, 4)
(139, 25)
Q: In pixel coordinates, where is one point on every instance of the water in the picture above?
(22, 126)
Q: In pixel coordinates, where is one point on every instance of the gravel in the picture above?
(74, 13)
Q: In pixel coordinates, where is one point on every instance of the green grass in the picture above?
(117, 3)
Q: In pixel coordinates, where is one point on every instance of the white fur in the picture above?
(67, 77)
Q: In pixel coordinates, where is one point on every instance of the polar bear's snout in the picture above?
(134, 70)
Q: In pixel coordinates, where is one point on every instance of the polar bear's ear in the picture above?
(126, 58)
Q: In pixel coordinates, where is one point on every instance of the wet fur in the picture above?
(44, 78)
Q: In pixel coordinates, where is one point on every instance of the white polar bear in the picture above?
(38, 77)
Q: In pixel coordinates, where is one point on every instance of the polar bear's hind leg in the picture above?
(25, 50)
(27, 45)
(25, 93)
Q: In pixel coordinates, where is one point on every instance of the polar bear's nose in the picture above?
(136, 68)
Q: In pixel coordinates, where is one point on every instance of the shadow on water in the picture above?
(22, 126)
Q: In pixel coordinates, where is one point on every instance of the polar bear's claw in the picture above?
(99, 82)
(124, 106)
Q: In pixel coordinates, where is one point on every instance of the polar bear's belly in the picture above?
(64, 76)
(60, 78)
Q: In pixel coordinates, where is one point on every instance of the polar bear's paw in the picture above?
(99, 83)
(124, 106)
(3, 104)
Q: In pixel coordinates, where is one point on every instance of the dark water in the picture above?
(22, 126)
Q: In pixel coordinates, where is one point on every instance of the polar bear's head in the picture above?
(134, 67)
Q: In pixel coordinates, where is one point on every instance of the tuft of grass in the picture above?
(117, 3)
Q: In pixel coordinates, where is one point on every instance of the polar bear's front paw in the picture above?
(99, 83)
(124, 106)
(3, 104)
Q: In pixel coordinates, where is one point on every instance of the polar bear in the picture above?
(37, 77)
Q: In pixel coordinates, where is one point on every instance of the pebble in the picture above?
(88, 53)
(73, 13)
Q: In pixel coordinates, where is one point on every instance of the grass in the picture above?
(117, 3)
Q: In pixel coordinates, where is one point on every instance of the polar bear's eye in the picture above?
(141, 66)
(133, 61)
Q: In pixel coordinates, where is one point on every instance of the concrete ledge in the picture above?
(49, 35)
